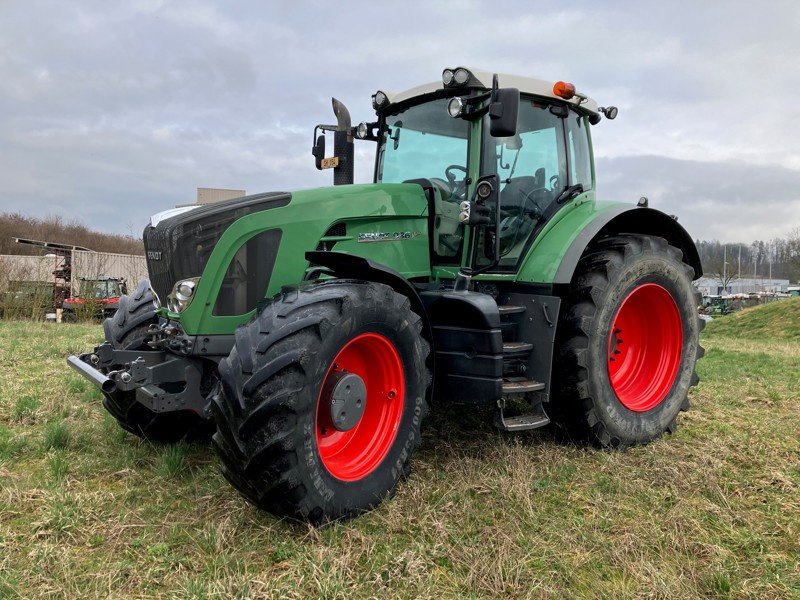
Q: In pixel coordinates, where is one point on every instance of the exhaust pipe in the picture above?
(342, 145)
(107, 385)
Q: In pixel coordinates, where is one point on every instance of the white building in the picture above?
(712, 286)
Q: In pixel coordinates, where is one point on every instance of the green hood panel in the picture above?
(386, 222)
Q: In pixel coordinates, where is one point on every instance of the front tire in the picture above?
(284, 442)
(628, 342)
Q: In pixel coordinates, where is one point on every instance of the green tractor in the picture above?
(310, 331)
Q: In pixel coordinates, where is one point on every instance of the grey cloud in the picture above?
(728, 201)
(113, 111)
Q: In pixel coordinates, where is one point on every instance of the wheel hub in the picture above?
(347, 396)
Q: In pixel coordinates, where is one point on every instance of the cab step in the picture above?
(509, 309)
(516, 347)
(520, 385)
(538, 418)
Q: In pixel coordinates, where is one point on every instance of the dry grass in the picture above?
(714, 510)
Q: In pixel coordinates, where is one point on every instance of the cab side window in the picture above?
(532, 168)
(580, 159)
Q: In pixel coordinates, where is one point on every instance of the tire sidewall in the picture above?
(621, 422)
(387, 320)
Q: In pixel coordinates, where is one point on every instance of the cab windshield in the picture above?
(100, 290)
(423, 141)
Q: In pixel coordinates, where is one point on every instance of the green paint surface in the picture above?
(371, 208)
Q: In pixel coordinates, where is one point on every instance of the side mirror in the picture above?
(503, 112)
(318, 151)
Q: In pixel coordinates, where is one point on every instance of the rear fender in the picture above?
(555, 254)
(641, 220)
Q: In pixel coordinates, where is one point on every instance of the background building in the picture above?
(212, 195)
(712, 286)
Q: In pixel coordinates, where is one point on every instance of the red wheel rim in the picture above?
(644, 347)
(354, 454)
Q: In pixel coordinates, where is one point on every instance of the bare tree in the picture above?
(722, 269)
(793, 247)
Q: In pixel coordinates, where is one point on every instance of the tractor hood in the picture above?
(204, 240)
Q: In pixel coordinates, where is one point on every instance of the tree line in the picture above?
(755, 257)
(56, 229)
(780, 256)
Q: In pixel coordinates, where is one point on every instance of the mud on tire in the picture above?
(590, 405)
(267, 418)
(127, 330)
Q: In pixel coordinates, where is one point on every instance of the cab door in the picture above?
(549, 153)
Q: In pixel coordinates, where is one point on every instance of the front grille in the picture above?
(336, 230)
(157, 251)
(179, 247)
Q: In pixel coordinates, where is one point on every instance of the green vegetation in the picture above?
(56, 229)
(780, 319)
(713, 510)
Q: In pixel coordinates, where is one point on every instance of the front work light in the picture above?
(362, 131)
(461, 76)
(379, 99)
(455, 77)
(455, 107)
(610, 112)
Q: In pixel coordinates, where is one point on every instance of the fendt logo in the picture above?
(154, 255)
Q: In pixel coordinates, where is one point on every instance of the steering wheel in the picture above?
(520, 209)
(457, 188)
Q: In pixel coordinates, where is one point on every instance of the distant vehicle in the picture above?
(793, 290)
(716, 305)
(98, 296)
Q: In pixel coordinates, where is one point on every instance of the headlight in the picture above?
(362, 131)
(182, 294)
(447, 76)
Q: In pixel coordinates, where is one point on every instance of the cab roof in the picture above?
(483, 79)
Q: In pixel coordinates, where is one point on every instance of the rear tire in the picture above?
(275, 436)
(627, 343)
(127, 330)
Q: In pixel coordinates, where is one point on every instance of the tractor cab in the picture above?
(525, 139)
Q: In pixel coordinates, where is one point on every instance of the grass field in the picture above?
(713, 510)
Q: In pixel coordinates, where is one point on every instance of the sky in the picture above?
(113, 111)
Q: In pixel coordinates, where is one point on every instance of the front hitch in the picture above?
(161, 381)
(106, 385)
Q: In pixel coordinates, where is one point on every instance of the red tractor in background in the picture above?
(97, 298)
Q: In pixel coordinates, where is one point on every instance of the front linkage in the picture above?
(159, 378)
